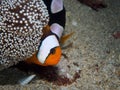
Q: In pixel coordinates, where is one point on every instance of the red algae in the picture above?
(48, 73)
(116, 35)
(62, 80)
(94, 4)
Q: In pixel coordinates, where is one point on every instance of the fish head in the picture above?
(49, 52)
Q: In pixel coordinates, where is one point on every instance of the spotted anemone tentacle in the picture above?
(21, 23)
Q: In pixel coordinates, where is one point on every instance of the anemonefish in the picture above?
(49, 51)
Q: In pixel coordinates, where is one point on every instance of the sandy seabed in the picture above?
(92, 51)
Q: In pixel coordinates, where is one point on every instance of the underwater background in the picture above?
(91, 56)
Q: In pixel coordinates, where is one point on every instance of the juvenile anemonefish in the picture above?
(49, 52)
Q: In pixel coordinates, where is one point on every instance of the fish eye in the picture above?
(52, 51)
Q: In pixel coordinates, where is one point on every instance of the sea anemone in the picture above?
(21, 24)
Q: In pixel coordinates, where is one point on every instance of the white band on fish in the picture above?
(47, 44)
(56, 6)
(57, 29)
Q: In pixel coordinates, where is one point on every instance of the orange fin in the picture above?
(34, 60)
(66, 37)
(46, 31)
